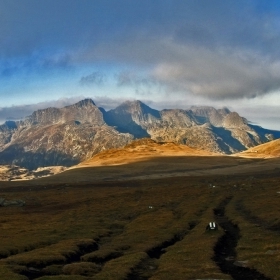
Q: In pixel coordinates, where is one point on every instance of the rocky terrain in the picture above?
(215, 130)
(58, 136)
(75, 133)
(17, 173)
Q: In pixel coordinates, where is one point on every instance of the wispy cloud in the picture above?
(142, 84)
(22, 111)
(95, 78)
(128, 78)
(108, 103)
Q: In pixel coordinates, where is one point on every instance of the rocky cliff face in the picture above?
(133, 117)
(204, 127)
(74, 133)
(58, 136)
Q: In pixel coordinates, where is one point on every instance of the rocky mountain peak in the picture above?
(83, 103)
(202, 110)
(48, 115)
(234, 120)
(135, 106)
(133, 103)
(132, 117)
(83, 111)
(135, 111)
(207, 114)
(224, 110)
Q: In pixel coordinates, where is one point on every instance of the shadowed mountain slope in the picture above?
(132, 117)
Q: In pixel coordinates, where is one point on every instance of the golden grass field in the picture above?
(141, 213)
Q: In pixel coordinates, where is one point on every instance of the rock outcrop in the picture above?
(18, 202)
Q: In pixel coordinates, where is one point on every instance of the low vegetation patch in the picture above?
(61, 252)
(120, 268)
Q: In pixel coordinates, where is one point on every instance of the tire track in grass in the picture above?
(225, 254)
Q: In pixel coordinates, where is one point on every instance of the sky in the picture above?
(166, 53)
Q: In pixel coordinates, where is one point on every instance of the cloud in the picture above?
(225, 74)
(127, 78)
(142, 84)
(22, 111)
(70, 25)
(108, 103)
(262, 115)
(216, 73)
(96, 78)
(215, 49)
(212, 49)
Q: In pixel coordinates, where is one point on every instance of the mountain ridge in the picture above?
(69, 135)
(218, 130)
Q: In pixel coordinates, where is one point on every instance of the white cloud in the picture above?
(226, 74)
(215, 73)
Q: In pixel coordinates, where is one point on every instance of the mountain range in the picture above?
(69, 135)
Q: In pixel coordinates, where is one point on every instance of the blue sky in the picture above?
(169, 54)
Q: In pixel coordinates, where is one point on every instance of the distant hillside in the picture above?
(66, 136)
(141, 150)
(267, 150)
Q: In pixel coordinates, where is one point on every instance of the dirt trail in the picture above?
(225, 255)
